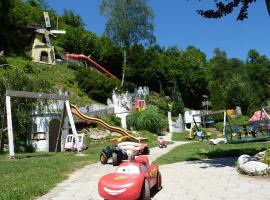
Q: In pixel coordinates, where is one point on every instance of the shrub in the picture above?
(149, 119)
(111, 120)
(97, 85)
(158, 101)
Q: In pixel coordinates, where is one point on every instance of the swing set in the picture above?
(23, 94)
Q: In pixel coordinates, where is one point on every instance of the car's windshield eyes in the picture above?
(128, 170)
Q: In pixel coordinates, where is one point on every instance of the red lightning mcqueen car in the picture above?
(131, 180)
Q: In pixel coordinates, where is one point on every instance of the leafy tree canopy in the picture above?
(226, 7)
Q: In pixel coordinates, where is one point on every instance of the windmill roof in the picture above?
(42, 31)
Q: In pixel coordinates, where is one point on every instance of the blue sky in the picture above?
(177, 23)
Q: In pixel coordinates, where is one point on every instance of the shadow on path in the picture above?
(219, 162)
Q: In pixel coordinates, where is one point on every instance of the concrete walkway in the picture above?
(210, 180)
(83, 183)
(195, 180)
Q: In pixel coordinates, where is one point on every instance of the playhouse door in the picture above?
(53, 135)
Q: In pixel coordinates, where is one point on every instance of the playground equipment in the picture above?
(70, 144)
(7, 122)
(91, 120)
(139, 104)
(92, 63)
(256, 129)
(199, 133)
(162, 143)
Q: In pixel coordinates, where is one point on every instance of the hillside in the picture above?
(60, 76)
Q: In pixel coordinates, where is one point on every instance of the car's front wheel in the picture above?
(158, 185)
(115, 161)
(145, 193)
(103, 158)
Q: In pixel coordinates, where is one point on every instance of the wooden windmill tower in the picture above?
(42, 49)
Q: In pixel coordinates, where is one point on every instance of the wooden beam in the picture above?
(10, 129)
(209, 113)
(36, 95)
(72, 124)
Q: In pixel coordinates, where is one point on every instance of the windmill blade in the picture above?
(58, 32)
(268, 5)
(47, 37)
(47, 19)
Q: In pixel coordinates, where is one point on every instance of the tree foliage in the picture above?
(129, 22)
(98, 86)
(17, 79)
(227, 7)
(177, 105)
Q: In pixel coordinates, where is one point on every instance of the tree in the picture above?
(72, 19)
(178, 105)
(129, 22)
(223, 9)
(5, 23)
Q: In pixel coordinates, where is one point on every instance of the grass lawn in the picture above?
(202, 150)
(182, 136)
(34, 174)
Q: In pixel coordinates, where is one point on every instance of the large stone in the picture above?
(255, 168)
(251, 165)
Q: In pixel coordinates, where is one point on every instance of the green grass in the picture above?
(61, 76)
(152, 138)
(32, 175)
(182, 136)
(202, 150)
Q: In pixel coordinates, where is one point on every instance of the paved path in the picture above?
(210, 180)
(195, 180)
(83, 184)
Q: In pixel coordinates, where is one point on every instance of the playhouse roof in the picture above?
(257, 116)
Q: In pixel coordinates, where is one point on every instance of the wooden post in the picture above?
(224, 122)
(10, 129)
(72, 124)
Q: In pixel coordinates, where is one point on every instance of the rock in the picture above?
(255, 168)
(260, 156)
(217, 141)
(251, 165)
(243, 159)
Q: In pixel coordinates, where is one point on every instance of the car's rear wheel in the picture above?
(115, 161)
(103, 158)
(158, 185)
(145, 193)
(146, 151)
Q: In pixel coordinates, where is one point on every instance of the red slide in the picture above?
(90, 62)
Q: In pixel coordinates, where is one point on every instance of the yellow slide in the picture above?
(92, 120)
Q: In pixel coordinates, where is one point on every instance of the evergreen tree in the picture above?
(178, 105)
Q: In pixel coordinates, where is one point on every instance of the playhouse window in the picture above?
(44, 56)
(38, 136)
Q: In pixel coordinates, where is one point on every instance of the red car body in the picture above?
(128, 180)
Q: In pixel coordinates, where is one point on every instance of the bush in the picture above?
(111, 120)
(97, 85)
(160, 102)
(149, 119)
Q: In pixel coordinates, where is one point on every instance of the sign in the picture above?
(47, 20)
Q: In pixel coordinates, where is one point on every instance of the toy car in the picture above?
(162, 143)
(131, 180)
(115, 152)
(120, 152)
(70, 144)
